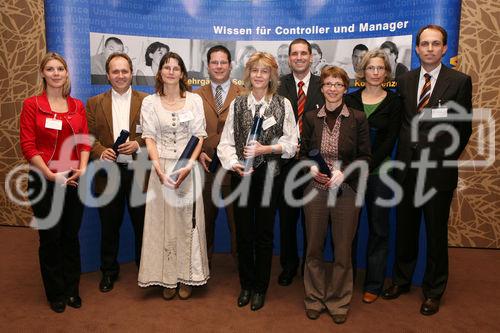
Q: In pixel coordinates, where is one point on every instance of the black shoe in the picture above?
(257, 301)
(430, 306)
(394, 291)
(339, 318)
(286, 278)
(244, 297)
(312, 314)
(107, 283)
(74, 302)
(58, 306)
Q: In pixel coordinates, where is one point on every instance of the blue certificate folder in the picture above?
(214, 165)
(121, 139)
(185, 156)
(316, 156)
(253, 136)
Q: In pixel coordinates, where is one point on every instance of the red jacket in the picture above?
(36, 139)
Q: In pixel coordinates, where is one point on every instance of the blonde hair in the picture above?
(66, 89)
(376, 53)
(267, 60)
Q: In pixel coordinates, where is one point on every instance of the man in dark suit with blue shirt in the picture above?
(303, 89)
(437, 125)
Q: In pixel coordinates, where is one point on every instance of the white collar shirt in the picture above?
(421, 81)
(225, 89)
(120, 106)
(306, 80)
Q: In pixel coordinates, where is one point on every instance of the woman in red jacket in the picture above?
(53, 135)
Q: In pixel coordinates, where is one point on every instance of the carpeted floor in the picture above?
(471, 303)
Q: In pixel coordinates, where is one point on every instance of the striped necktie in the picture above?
(218, 98)
(301, 103)
(425, 94)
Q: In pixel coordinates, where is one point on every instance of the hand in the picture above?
(128, 148)
(240, 170)
(73, 180)
(59, 178)
(253, 149)
(182, 174)
(204, 160)
(163, 177)
(318, 176)
(336, 180)
(108, 155)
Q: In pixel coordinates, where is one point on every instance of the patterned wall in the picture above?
(476, 208)
(475, 221)
(22, 45)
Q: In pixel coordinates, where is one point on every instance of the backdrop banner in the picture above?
(86, 32)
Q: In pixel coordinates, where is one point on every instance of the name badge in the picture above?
(138, 129)
(268, 123)
(185, 116)
(439, 113)
(53, 123)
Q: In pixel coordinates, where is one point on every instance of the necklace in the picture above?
(58, 106)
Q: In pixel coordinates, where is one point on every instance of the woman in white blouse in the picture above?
(174, 249)
(255, 165)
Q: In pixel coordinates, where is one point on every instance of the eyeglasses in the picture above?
(215, 62)
(375, 68)
(337, 85)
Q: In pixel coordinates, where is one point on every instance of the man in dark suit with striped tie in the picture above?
(303, 89)
(426, 93)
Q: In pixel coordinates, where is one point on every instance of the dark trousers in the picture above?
(212, 211)
(289, 216)
(59, 251)
(378, 234)
(254, 232)
(111, 216)
(436, 213)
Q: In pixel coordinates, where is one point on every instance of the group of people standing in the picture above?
(299, 113)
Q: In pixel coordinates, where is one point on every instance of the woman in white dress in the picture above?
(174, 253)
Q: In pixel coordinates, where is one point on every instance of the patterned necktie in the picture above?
(425, 94)
(257, 109)
(218, 98)
(301, 102)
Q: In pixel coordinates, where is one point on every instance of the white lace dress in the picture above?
(173, 247)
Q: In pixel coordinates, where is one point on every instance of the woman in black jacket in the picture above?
(383, 110)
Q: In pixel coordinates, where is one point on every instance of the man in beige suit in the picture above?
(217, 96)
(108, 114)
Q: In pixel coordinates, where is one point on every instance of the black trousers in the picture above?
(289, 216)
(111, 216)
(378, 234)
(254, 231)
(59, 251)
(436, 213)
(212, 211)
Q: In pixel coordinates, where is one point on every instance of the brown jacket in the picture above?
(100, 122)
(354, 139)
(215, 122)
